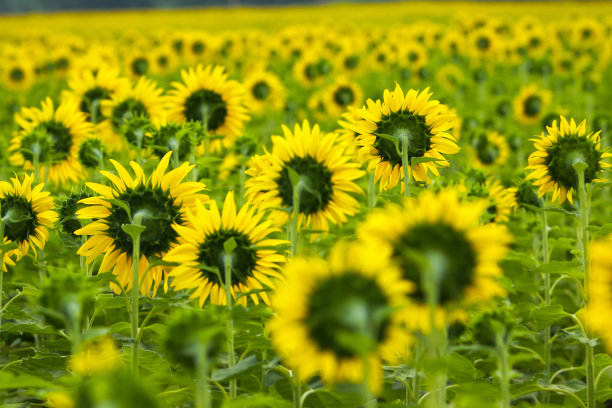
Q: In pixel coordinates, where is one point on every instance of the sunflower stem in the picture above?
(416, 380)
(2, 225)
(134, 230)
(504, 368)
(229, 247)
(405, 139)
(202, 393)
(547, 300)
(580, 166)
(297, 390)
(371, 191)
(295, 228)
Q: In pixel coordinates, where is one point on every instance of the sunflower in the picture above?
(424, 121)
(138, 63)
(92, 151)
(67, 222)
(414, 55)
(312, 69)
(600, 289)
(448, 234)
(326, 177)
(207, 96)
(90, 88)
(50, 136)
(162, 60)
(128, 101)
(340, 96)
(18, 74)
(531, 104)
(502, 201)
(166, 135)
(483, 43)
(490, 149)
(163, 200)
(264, 91)
(253, 263)
(450, 77)
(28, 215)
(325, 305)
(557, 150)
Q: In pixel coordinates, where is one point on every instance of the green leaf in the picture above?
(229, 246)
(9, 381)
(257, 401)
(133, 230)
(418, 160)
(120, 204)
(545, 316)
(294, 176)
(460, 369)
(236, 371)
(121, 327)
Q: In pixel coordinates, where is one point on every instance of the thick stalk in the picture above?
(371, 191)
(436, 346)
(202, 392)
(416, 380)
(297, 390)
(584, 240)
(295, 233)
(2, 224)
(230, 322)
(504, 369)
(545, 260)
(135, 295)
(405, 139)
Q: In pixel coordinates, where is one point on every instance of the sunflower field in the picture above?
(390, 205)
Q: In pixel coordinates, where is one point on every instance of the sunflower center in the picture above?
(197, 47)
(243, 259)
(533, 106)
(126, 110)
(169, 137)
(139, 66)
(37, 141)
(563, 154)
(402, 123)
(21, 220)
(206, 105)
(261, 90)
(59, 138)
(487, 152)
(17, 75)
(344, 96)
(160, 213)
(483, 43)
(443, 241)
(91, 151)
(316, 190)
(67, 210)
(344, 306)
(90, 103)
(351, 62)
(162, 61)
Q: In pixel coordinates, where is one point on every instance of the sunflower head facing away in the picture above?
(28, 215)
(425, 123)
(323, 306)
(255, 264)
(326, 178)
(440, 235)
(207, 96)
(552, 163)
(161, 199)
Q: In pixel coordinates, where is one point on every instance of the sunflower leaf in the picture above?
(418, 160)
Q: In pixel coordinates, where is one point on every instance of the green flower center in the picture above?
(91, 151)
(487, 152)
(198, 47)
(343, 307)
(17, 74)
(160, 213)
(563, 154)
(532, 106)
(317, 186)
(243, 258)
(68, 222)
(171, 137)
(90, 103)
(457, 256)
(351, 62)
(162, 61)
(261, 90)
(344, 96)
(483, 43)
(22, 219)
(37, 140)
(139, 66)
(206, 105)
(126, 110)
(397, 124)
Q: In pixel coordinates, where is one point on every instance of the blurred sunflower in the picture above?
(312, 69)
(415, 55)
(255, 263)
(340, 96)
(557, 150)
(90, 88)
(50, 137)
(531, 104)
(448, 234)
(207, 96)
(425, 122)
(600, 289)
(325, 306)
(28, 214)
(167, 135)
(162, 199)
(483, 43)
(450, 77)
(137, 63)
(489, 149)
(162, 60)
(18, 74)
(265, 91)
(91, 151)
(326, 178)
(502, 201)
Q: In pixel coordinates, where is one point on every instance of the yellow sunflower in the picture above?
(340, 96)
(264, 91)
(600, 289)
(90, 88)
(502, 201)
(18, 74)
(138, 63)
(448, 234)
(325, 305)
(162, 199)
(28, 214)
(490, 149)
(424, 122)
(255, 263)
(557, 150)
(531, 104)
(207, 96)
(51, 137)
(326, 178)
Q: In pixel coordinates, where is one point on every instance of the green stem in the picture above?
(135, 295)
(2, 225)
(371, 191)
(504, 368)
(437, 338)
(230, 323)
(584, 240)
(294, 232)
(297, 390)
(202, 392)
(368, 399)
(416, 380)
(547, 296)
(405, 139)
